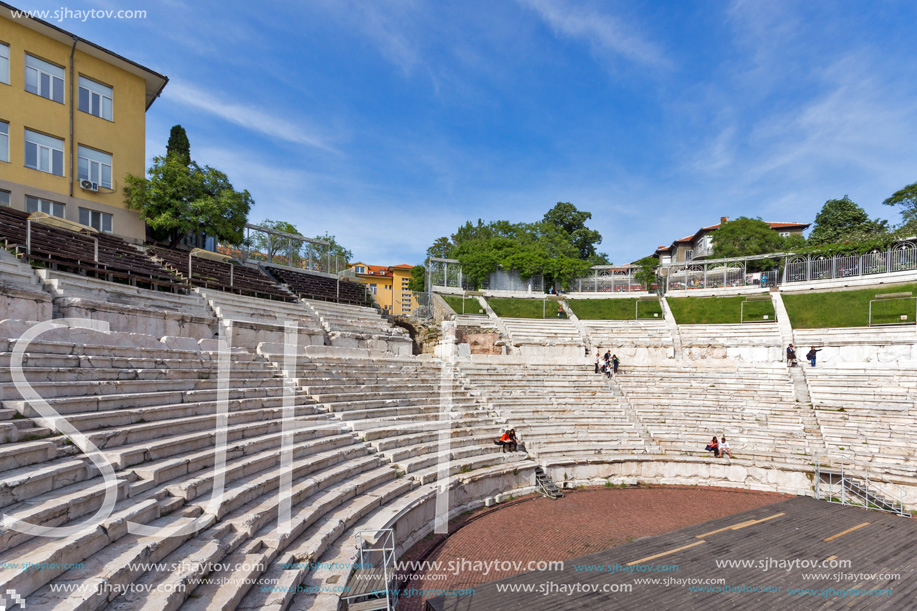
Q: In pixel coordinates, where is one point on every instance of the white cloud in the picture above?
(255, 119)
(604, 33)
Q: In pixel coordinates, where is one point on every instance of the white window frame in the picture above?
(4, 63)
(42, 68)
(96, 219)
(784, 234)
(91, 165)
(5, 198)
(4, 141)
(46, 206)
(689, 254)
(49, 145)
(98, 93)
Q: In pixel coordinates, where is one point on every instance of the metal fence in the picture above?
(265, 245)
(900, 257)
(609, 279)
(423, 309)
(716, 275)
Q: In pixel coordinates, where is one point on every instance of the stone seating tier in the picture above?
(546, 331)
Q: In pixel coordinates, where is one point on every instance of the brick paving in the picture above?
(586, 521)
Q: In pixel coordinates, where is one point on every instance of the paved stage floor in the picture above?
(794, 554)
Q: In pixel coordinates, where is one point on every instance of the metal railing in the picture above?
(846, 484)
(899, 257)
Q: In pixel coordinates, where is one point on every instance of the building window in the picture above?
(95, 98)
(5, 198)
(360, 269)
(784, 234)
(44, 79)
(372, 288)
(689, 254)
(94, 166)
(4, 63)
(4, 141)
(96, 220)
(35, 204)
(44, 153)
(665, 260)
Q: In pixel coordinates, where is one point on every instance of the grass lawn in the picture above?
(613, 309)
(471, 304)
(523, 308)
(848, 308)
(717, 310)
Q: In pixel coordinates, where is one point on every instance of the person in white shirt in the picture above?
(724, 448)
(597, 359)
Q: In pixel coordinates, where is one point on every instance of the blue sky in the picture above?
(390, 122)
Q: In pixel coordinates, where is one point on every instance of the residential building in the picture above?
(699, 245)
(388, 285)
(72, 124)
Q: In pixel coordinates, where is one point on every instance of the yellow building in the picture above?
(72, 125)
(389, 286)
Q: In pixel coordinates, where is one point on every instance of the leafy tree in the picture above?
(745, 237)
(270, 244)
(646, 275)
(179, 145)
(344, 255)
(442, 247)
(793, 243)
(566, 216)
(906, 199)
(418, 281)
(841, 219)
(179, 199)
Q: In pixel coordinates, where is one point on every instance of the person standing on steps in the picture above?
(615, 361)
(560, 311)
(607, 359)
(790, 356)
(811, 354)
(597, 359)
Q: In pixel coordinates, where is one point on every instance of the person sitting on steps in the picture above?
(508, 440)
(724, 447)
(713, 446)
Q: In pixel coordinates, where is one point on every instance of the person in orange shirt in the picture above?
(508, 440)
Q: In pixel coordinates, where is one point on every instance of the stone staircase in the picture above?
(21, 294)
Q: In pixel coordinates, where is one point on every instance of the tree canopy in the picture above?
(181, 198)
(270, 244)
(565, 215)
(179, 144)
(906, 199)
(337, 250)
(842, 219)
(745, 237)
(560, 246)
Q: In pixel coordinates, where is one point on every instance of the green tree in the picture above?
(179, 144)
(418, 281)
(906, 199)
(745, 237)
(842, 219)
(180, 199)
(646, 275)
(566, 216)
(338, 251)
(441, 248)
(271, 244)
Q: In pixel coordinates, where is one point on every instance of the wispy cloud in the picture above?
(272, 125)
(604, 33)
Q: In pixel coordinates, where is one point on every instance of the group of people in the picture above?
(607, 364)
(719, 448)
(791, 355)
(508, 441)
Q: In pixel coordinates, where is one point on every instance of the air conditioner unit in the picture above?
(88, 185)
